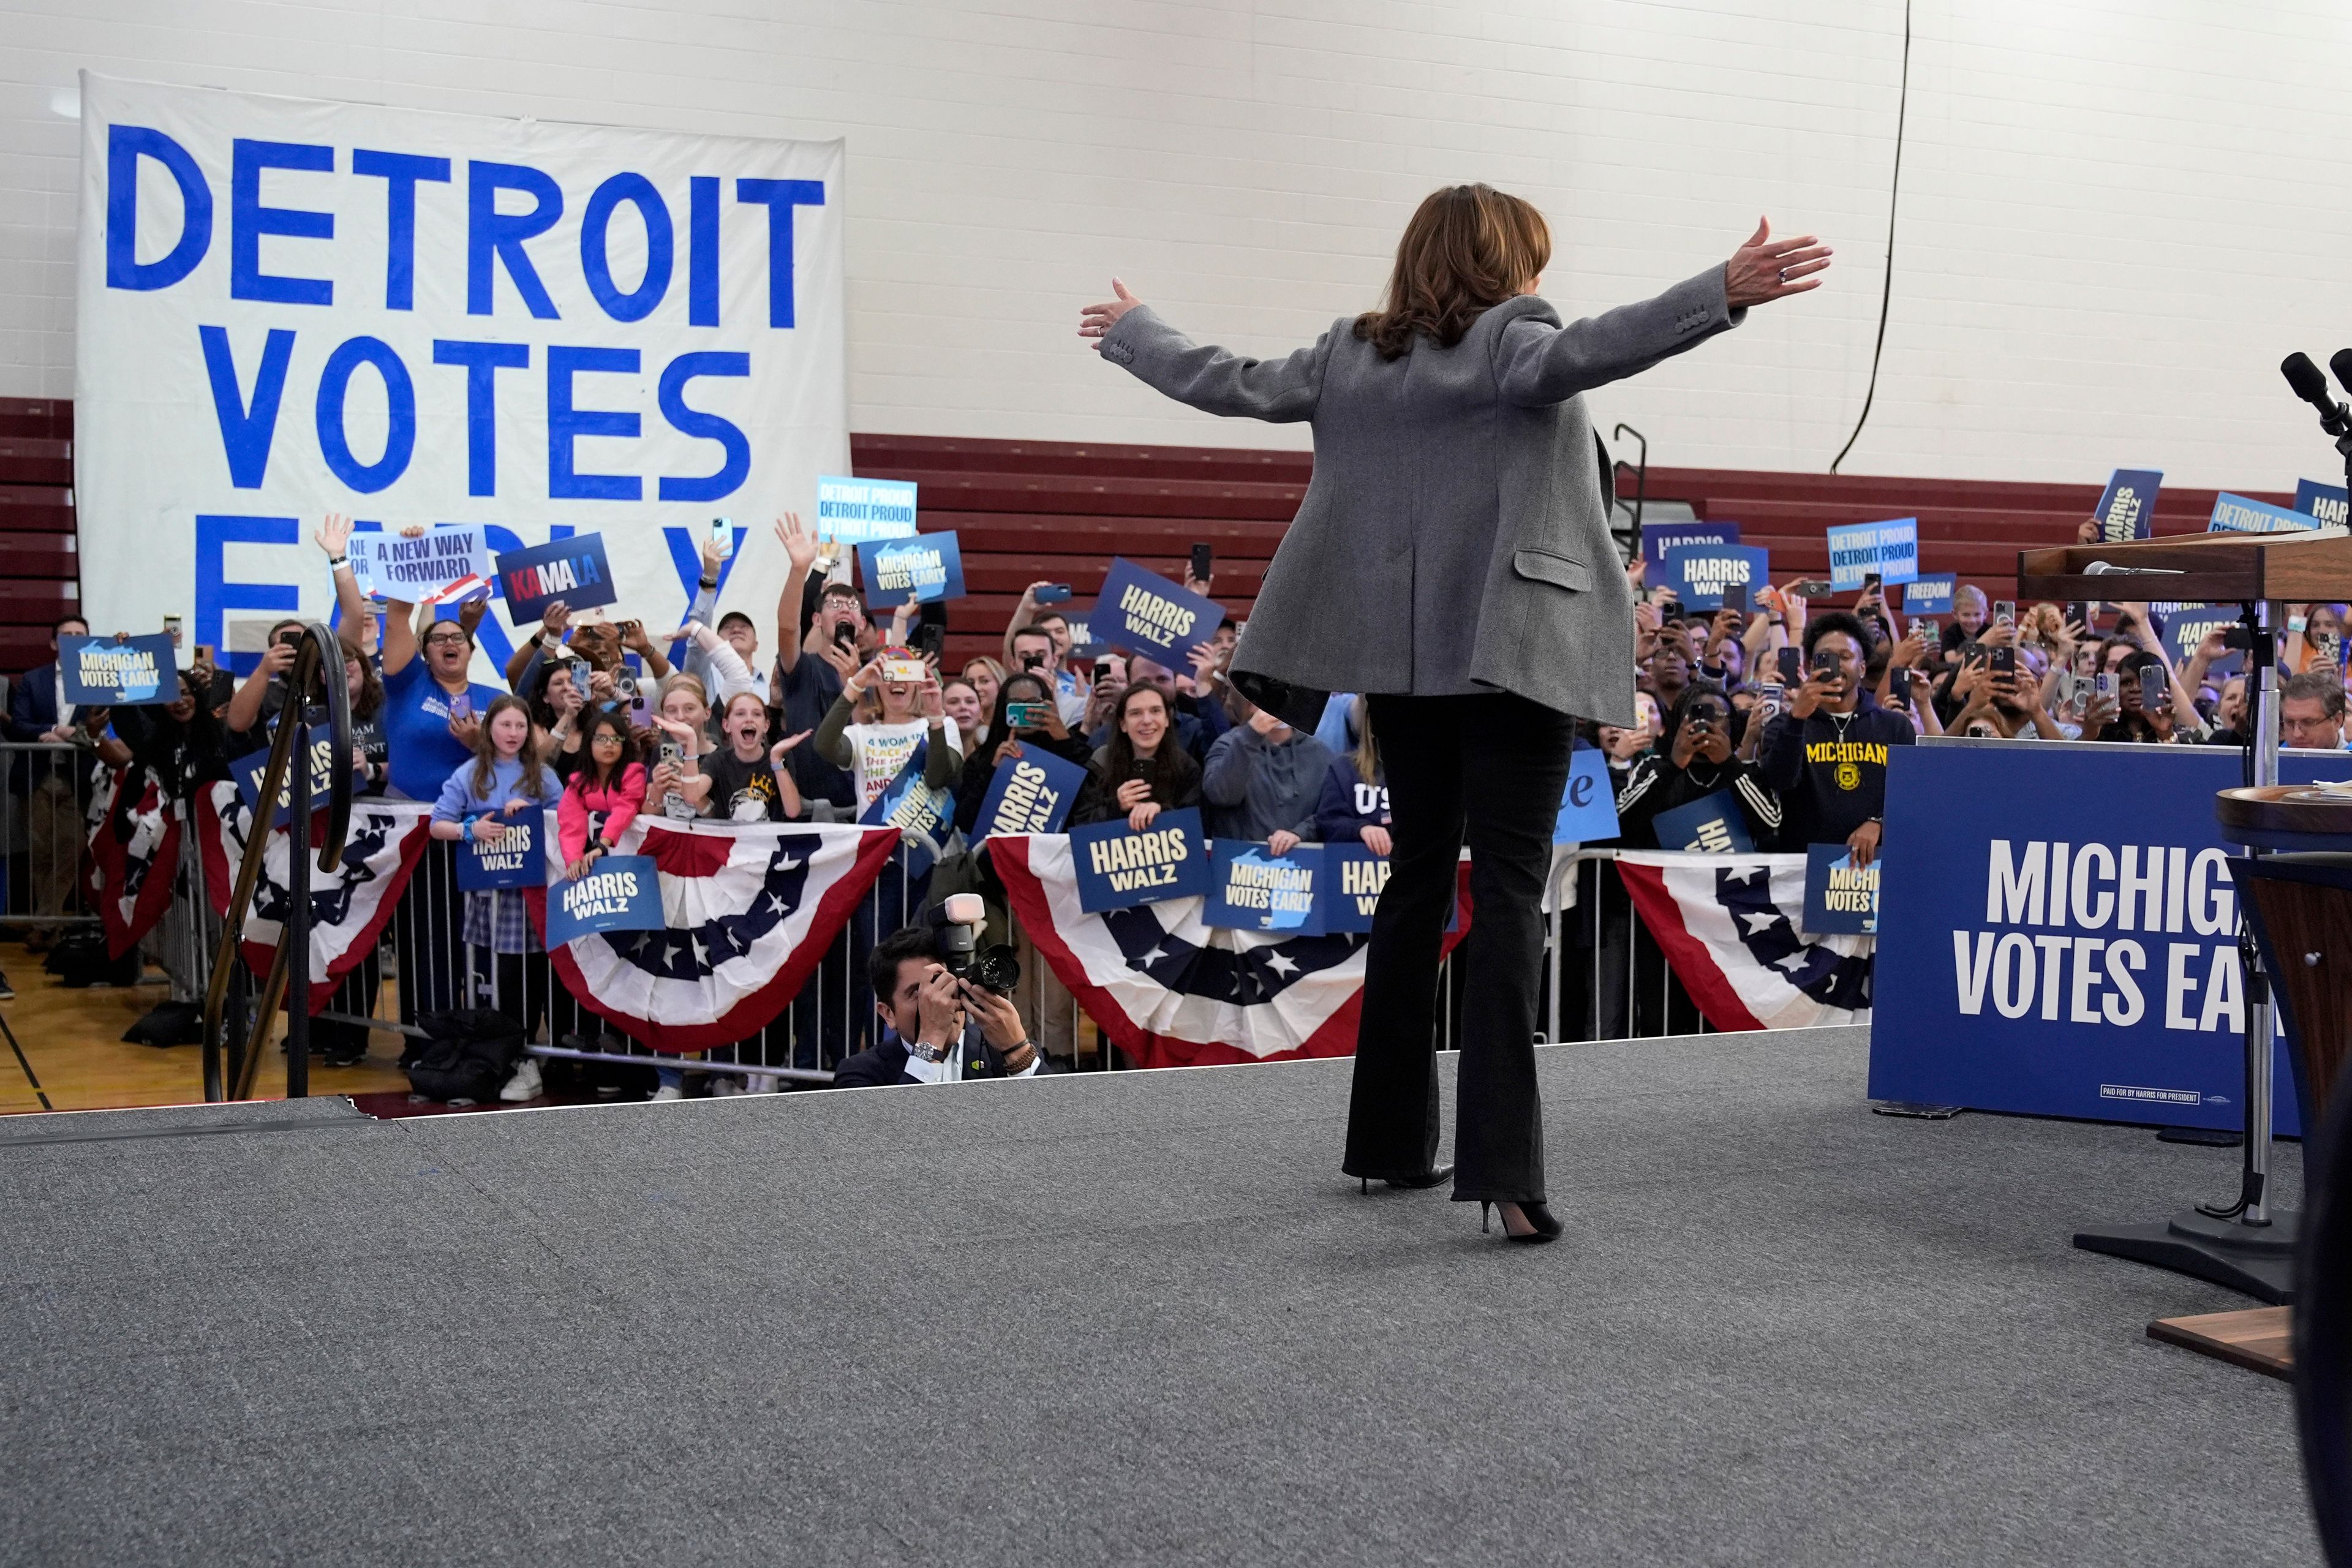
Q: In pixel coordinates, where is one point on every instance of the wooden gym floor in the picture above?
(65, 1050)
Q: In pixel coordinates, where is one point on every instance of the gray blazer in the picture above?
(1454, 538)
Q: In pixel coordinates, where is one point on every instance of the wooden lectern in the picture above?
(2246, 1247)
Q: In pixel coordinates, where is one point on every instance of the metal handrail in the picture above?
(290, 971)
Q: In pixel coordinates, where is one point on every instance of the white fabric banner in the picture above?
(288, 307)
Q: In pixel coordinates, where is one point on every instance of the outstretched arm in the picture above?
(1209, 378)
(1538, 361)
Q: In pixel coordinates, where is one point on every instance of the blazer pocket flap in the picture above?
(1560, 570)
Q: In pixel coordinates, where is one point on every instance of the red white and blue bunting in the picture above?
(134, 852)
(751, 910)
(1171, 991)
(1731, 926)
(349, 906)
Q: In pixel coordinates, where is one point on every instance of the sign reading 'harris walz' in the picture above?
(1118, 866)
(1142, 611)
(573, 569)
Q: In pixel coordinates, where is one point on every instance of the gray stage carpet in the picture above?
(1125, 1320)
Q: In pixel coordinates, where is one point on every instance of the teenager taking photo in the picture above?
(1479, 617)
(1826, 756)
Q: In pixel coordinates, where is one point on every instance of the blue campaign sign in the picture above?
(1032, 791)
(1889, 549)
(1699, 573)
(2127, 507)
(851, 511)
(573, 569)
(1711, 825)
(1930, 594)
(2060, 932)
(622, 893)
(2324, 503)
(248, 769)
(2186, 627)
(927, 565)
(924, 817)
(1141, 611)
(108, 672)
(2244, 514)
(1253, 889)
(1118, 866)
(515, 858)
(1588, 806)
(1657, 538)
(1353, 877)
(1841, 897)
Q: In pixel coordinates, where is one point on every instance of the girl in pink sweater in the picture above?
(604, 797)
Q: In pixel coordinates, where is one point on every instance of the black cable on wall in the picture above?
(1887, 294)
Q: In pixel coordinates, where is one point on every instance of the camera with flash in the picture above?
(994, 968)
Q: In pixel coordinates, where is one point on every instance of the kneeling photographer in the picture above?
(945, 1005)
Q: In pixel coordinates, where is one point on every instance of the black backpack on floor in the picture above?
(79, 958)
(467, 1054)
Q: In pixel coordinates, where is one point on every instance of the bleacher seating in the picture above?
(1058, 511)
(39, 572)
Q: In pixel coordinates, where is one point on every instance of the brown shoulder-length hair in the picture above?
(1468, 248)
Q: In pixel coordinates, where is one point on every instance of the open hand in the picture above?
(1099, 319)
(1765, 268)
(334, 535)
(799, 544)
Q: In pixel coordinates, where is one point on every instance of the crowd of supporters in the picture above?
(1791, 710)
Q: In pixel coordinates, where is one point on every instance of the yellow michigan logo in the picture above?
(1848, 777)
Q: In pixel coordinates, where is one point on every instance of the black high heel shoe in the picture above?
(1545, 1227)
(1438, 1175)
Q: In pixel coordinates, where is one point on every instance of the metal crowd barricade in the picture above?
(1605, 979)
(45, 831)
(1606, 976)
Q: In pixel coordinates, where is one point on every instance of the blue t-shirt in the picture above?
(423, 753)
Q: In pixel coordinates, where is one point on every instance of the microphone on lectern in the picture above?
(2340, 361)
(2312, 387)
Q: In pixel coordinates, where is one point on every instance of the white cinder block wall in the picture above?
(2116, 214)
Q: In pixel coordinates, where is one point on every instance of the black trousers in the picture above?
(1488, 768)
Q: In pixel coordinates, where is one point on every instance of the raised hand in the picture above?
(1765, 268)
(557, 618)
(334, 535)
(799, 544)
(777, 752)
(1097, 319)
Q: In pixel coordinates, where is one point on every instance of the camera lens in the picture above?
(997, 969)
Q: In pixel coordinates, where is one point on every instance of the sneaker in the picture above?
(346, 1058)
(666, 1092)
(726, 1083)
(526, 1083)
(7, 992)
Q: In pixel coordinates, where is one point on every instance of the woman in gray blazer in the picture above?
(1451, 560)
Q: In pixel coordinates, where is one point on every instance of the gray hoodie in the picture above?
(1253, 786)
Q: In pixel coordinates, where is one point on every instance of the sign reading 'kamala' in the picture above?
(573, 569)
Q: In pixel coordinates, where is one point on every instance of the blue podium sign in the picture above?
(2059, 933)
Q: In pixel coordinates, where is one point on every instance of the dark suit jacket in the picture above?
(33, 704)
(887, 1063)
